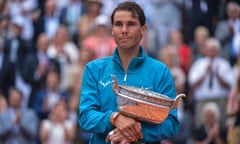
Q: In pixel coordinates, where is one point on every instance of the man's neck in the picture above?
(126, 55)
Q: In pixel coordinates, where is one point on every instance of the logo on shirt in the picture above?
(147, 88)
(105, 84)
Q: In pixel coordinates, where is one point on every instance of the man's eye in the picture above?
(131, 24)
(118, 24)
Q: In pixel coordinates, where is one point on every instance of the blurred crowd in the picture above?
(44, 45)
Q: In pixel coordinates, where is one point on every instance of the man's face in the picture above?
(210, 117)
(233, 12)
(43, 42)
(211, 51)
(127, 30)
(15, 99)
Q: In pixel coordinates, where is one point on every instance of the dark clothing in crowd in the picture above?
(200, 134)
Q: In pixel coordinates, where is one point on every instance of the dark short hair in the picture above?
(134, 8)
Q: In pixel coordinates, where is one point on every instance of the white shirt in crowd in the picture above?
(198, 70)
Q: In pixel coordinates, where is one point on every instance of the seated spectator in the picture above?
(18, 125)
(210, 131)
(58, 129)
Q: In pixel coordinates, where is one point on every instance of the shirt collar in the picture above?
(135, 63)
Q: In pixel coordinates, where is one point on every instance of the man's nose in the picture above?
(124, 29)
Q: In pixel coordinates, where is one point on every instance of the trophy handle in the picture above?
(115, 86)
(178, 98)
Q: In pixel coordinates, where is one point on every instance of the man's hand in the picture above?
(115, 136)
(18, 117)
(129, 128)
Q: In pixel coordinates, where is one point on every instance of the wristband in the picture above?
(113, 117)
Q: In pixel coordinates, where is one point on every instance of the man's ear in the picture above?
(144, 29)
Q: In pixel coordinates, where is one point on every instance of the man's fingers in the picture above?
(138, 130)
(128, 134)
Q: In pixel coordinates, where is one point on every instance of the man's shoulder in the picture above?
(153, 62)
(100, 62)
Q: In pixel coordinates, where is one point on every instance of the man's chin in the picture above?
(124, 46)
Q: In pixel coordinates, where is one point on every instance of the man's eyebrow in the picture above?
(118, 21)
(129, 21)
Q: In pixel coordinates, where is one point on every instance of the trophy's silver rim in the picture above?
(146, 92)
(141, 101)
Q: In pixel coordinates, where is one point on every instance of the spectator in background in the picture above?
(201, 12)
(71, 13)
(48, 21)
(170, 57)
(37, 65)
(64, 51)
(81, 136)
(86, 21)
(227, 30)
(3, 103)
(4, 22)
(62, 48)
(236, 72)
(201, 34)
(18, 125)
(3, 8)
(183, 50)
(58, 129)
(100, 40)
(3, 107)
(15, 50)
(6, 71)
(61, 4)
(166, 15)
(47, 98)
(210, 79)
(210, 130)
(75, 71)
(41, 5)
(23, 9)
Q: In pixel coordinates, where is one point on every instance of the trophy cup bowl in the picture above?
(144, 105)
